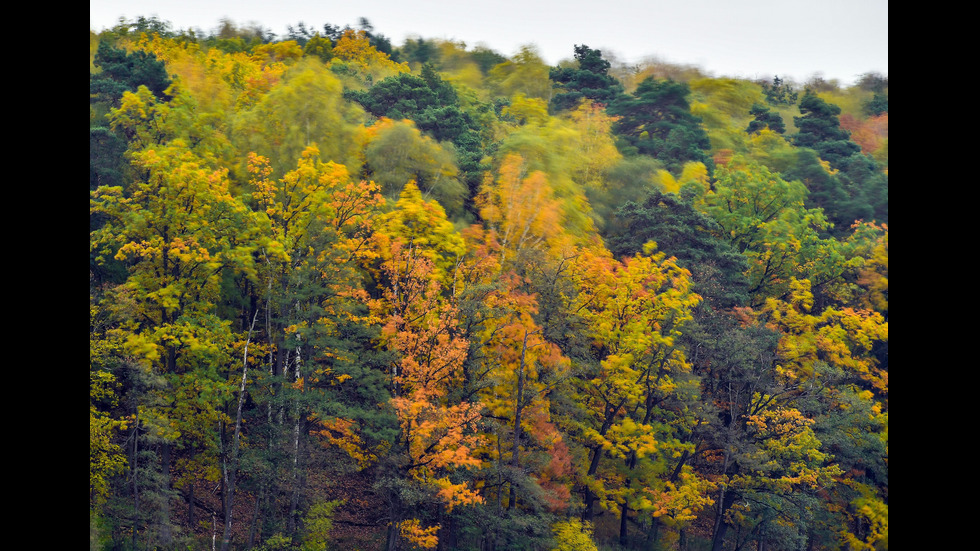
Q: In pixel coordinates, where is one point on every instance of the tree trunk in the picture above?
(725, 501)
(231, 465)
(653, 534)
(518, 409)
(624, 525)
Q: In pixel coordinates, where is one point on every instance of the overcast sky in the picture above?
(795, 39)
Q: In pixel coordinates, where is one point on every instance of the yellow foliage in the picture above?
(354, 48)
(412, 531)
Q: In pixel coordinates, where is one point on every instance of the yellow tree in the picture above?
(638, 399)
(306, 106)
(525, 72)
(354, 51)
(816, 433)
(178, 231)
(422, 226)
(522, 209)
(598, 152)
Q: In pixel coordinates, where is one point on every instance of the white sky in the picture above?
(840, 39)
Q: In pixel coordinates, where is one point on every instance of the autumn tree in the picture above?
(438, 435)
(178, 231)
(320, 222)
(396, 152)
(672, 222)
(306, 107)
(634, 411)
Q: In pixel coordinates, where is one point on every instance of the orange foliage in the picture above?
(869, 134)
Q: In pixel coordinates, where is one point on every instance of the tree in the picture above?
(434, 106)
(178, 231)
(656, 120)
(355, 50)
(634, 408)
(318, 223)
(677, 228)
(319, 46)
(522, 210)
(121, 71)
(779, 92)
(763, 217)
(764, 118)
(819, 129)
(591, 80)
(525, 72)
(306, 107)
(396, 153)
(438, 435)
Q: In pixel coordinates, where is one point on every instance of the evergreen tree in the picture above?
(779, 93)
(764, 118)
(681, 231)
(125, 72)
(820, 130)
(434, 105)
(656, 120)
(590, 80)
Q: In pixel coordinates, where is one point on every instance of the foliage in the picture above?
(591, 80)
(656, 120)
(342, 293)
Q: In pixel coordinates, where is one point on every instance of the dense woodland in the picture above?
(346, 294)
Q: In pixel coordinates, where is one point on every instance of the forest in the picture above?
(346, 294)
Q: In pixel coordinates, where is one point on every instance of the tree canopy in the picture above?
(346, 294)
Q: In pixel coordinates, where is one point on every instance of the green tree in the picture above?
(397, 153)
(819, 129)
(680, 230)
(177, 231)
(433, 104)
(656, 120)
(319, 46)
(306, 107)
(121, 71)
(764, 217)
(590, 80)
(764, 118)
(779, 92)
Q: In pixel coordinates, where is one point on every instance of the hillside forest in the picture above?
(345, 294)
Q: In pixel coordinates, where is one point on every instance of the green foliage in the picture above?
(764, 118)
(876, 105)
(319, 279)
(779, 92)
(400, 154)
(590, 80)
(121, 71)
(656, 120)
(433, 104)
(819, 129)
(680, 230)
